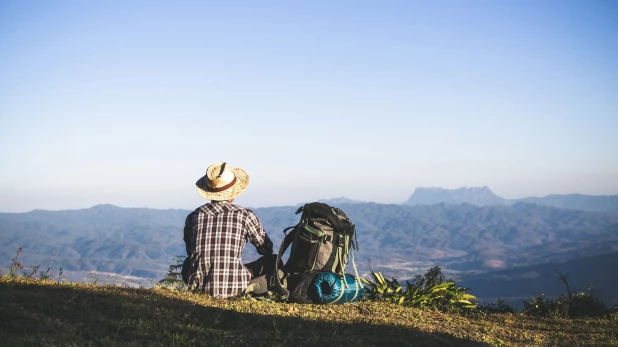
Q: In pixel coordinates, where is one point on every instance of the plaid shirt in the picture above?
(215, 235)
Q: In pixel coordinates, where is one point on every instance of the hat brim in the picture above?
(242, 181)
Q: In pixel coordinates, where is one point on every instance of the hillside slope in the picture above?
(60, 314)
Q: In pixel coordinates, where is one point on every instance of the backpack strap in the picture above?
(287, 240)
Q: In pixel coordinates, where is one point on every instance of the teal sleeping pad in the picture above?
(329, 288)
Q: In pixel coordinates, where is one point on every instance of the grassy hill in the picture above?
(49, 313)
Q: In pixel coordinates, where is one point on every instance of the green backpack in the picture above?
(322, 241)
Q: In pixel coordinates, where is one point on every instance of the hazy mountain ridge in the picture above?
(602, 203)
(399, 240)
(471, 237)
(104, 238)
(479, 196)
(483, 196)
(341, 200)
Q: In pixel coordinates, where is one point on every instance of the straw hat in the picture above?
(222, 182)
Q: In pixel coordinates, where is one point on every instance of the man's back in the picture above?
(215, 236)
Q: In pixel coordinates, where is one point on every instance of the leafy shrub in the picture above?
(498, 307)
(173, 278)
(580, 304)
(613, 314)
(541, 306)
(15, 264)
(429, 290)
(586, 305)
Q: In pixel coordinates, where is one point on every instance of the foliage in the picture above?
(173, 279)
(42, 275)
(15, 264)
(613, 314)
(581, 305)
(542, 306)
(498, 307)
(428, 290)
(586, 305)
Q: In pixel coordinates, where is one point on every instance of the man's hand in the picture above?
(265, 248)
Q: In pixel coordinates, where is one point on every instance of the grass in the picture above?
(50, 313)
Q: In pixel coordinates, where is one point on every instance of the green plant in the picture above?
(613, 314)
(382, 289)
(173, 278)
(498, 307)
(43, 275)
(15, 264)
(428, 290)
(586, 305)
(573, 305)
(541, 306)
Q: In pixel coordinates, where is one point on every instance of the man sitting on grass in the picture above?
(215, 235)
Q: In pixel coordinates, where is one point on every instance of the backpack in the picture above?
(322, 241)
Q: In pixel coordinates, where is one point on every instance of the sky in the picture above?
(128, 102)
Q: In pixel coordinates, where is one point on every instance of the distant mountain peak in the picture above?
(483, 196)
(105, 208)
(483, 188)
(480, 196)
(341, 200)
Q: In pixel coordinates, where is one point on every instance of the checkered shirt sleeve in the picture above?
(220, 231)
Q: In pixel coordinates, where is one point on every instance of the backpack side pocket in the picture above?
(305, 248)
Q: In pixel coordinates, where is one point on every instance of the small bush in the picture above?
(15, 264)
(173, 279)
(586, 305)
(498, 307)
(580, 304)
(429, 290)
(541, 306)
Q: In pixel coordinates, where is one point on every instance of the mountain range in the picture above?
(468, 241)
(483, 196)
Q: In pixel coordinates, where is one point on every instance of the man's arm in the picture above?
(188, 233)
(257, 236)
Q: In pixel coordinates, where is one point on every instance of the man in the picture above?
(215, 235)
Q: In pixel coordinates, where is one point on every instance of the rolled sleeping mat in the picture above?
(329, 288)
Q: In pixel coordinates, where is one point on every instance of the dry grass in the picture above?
(46, 313)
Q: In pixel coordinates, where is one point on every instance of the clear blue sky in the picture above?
(128, 102)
